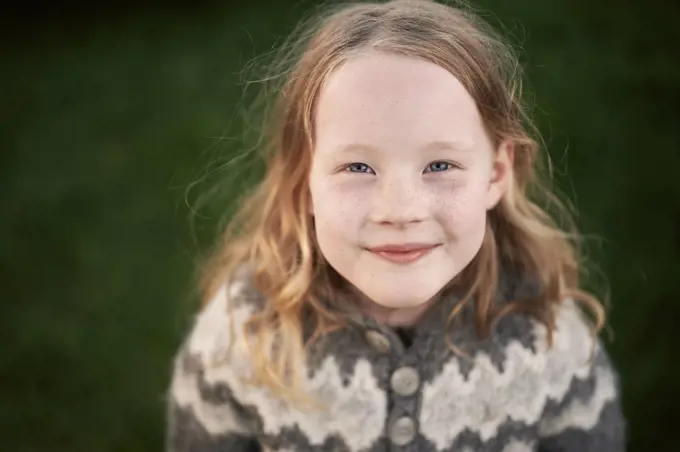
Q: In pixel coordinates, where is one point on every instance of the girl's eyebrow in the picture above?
(356, 148)
(440, 145)
(447, 145)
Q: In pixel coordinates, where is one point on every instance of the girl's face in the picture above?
(402, 177)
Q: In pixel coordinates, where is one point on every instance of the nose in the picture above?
(399, 202)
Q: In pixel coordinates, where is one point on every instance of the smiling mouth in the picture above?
(403, 254)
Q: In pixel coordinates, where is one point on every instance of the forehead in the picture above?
(386, 100)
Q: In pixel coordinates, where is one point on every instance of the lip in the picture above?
(403, 253)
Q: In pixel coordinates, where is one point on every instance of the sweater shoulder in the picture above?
(576, 358)
(216, 336)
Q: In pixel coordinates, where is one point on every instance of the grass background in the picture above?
(108, 115)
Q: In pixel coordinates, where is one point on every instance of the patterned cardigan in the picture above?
(508, 393)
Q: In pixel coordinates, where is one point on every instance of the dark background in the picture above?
(109, 115)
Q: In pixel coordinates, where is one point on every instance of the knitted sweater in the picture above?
(508, 393)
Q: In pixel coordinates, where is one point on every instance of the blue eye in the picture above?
(359, 168)
(435, 167)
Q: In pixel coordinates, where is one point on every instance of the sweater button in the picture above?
(405, 381)
(402, 431)
(378, 341)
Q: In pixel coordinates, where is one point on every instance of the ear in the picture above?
(501, 173)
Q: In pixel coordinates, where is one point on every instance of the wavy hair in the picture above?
(273, 230)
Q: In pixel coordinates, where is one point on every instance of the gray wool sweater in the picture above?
(387, 391)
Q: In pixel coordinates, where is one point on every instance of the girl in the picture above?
(391, 285)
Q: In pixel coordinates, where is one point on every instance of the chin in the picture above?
(401, 299)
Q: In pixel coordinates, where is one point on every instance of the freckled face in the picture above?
(402, 177)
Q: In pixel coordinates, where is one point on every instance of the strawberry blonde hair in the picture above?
(273, 231)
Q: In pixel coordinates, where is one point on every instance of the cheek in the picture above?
(338, 209)
(464, 210)
(333, 221)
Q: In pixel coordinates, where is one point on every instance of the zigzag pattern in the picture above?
(488, 397)
(451, 403)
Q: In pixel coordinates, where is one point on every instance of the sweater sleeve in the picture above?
(203, 414)
(589, 416)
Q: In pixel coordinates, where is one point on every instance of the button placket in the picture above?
(402, 431)
(405, 381)
(378, 341)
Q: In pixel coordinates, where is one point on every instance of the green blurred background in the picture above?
(108, 116)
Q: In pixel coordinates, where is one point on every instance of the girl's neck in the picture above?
(392, 317)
